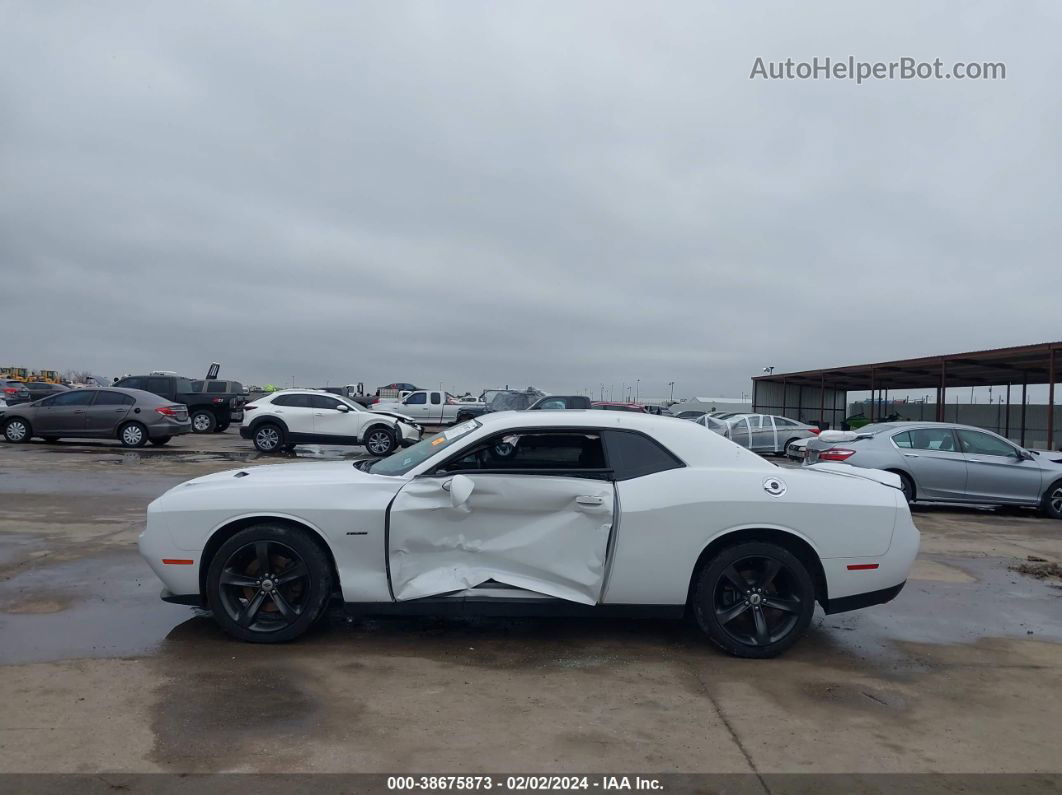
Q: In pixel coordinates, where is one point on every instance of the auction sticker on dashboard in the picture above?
(459, 430)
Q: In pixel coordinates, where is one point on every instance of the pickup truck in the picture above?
(427, 407)
(210, 412)
(500, 400)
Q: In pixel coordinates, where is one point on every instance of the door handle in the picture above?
(975, 460)
(910, 455)
(587, 500)
(318, 414)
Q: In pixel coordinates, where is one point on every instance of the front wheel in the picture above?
(203, 422)
(754, 600)
(907, 486)
(268, 583)
(221, 427)
(158, 441)
(1052, 503)
(380, 441)
(268, 438)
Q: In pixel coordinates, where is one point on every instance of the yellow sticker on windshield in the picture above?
(438, 440)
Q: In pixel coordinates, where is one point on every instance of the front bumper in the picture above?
(245, 432)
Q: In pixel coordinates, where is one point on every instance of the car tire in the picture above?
(18, 430)
(268, 438)
(380, 441)
(158, 441)
(133, 434)
(203, 422)
(747, 622)
(1052, 501)
(785, 447)
(907, 485)
(221, 427)
(253, 608)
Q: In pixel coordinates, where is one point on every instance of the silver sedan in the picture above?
(761, 433)
(944, 462)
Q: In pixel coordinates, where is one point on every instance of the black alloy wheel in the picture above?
(268, 584)
(754, 600)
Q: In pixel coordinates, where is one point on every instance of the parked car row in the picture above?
(947, 462)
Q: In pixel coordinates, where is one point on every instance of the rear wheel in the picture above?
(203, 422)
(221, 427)
(268, 438)
(268, 583)
(133, 434)
(754, 600)
(158, 441)
(1052, 503)
(17, 430)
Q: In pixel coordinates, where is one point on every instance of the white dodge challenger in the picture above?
(539, 512)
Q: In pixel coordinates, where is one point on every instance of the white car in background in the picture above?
(539, 512)
(283, 419)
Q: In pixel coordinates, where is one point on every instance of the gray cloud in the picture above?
(563, 194)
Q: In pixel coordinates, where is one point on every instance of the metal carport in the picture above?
(1022, 365)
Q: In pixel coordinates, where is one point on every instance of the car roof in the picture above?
(882, 427)
(695, 444)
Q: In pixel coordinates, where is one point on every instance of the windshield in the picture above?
(404, 460)
(347, 401)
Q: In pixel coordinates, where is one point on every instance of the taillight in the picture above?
(374, 401)
(166, 411)
(249, 408)
(815, 430)
(10, 390)
(836, 454)
(219, 400)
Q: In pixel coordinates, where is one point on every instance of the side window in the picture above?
(158, 385)
(436, 398)
(782, 422)
(114, 399)
(633, 455)
(323, 402)
(902, 440)
(556, 403)
(78, 397)
(941, 439)
(135, 382)
(292, 401)
(416, 399)
(216, 386)
(977, 443)
(546, 453)
(48, 401)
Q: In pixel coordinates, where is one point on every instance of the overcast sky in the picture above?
(560, 194)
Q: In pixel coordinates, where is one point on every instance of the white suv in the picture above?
(289, 417)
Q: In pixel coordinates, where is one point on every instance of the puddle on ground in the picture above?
(93, 607)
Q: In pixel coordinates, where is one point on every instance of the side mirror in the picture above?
(460, 488)
(343, 407)
(1025, 455)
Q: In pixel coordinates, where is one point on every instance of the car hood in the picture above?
(388, 413)
(1048, 458)
(278, 475)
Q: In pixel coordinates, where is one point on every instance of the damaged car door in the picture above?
(530, 510)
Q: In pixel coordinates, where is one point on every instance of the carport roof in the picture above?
(1033, 364)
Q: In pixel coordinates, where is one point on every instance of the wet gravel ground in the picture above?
(961, 673)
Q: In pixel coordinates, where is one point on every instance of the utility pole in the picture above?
(637, 388)
(671, 384)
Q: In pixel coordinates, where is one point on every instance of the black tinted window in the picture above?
(933, 439)
(323, 402)
(632, 455)
(977, 443)
(78, 397)
(545, 452)
(114, 399)
(136, 382)
(158, 385)
(436, 398)
(293, 401)
(216, 386)
(417, 399)
(902, 440)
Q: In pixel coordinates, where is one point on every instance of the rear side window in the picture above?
(114, 399)
(436, 398)
(136, 382)
(216, 386)
(633, 455)
(902, 440)
(782, 422)
(158, 385)
(292, 401)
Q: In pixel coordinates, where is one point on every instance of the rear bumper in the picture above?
(191, 599)
(245, 432)
(170, 428)
(861, 600)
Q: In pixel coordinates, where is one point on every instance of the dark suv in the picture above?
(14, 392)
(210, 412)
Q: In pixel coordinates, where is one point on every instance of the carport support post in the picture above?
(1051, 402)
(1024, 386)
(873, 394)
(822, 399)
(784, 390)
(943, 389)
(1007, 420)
